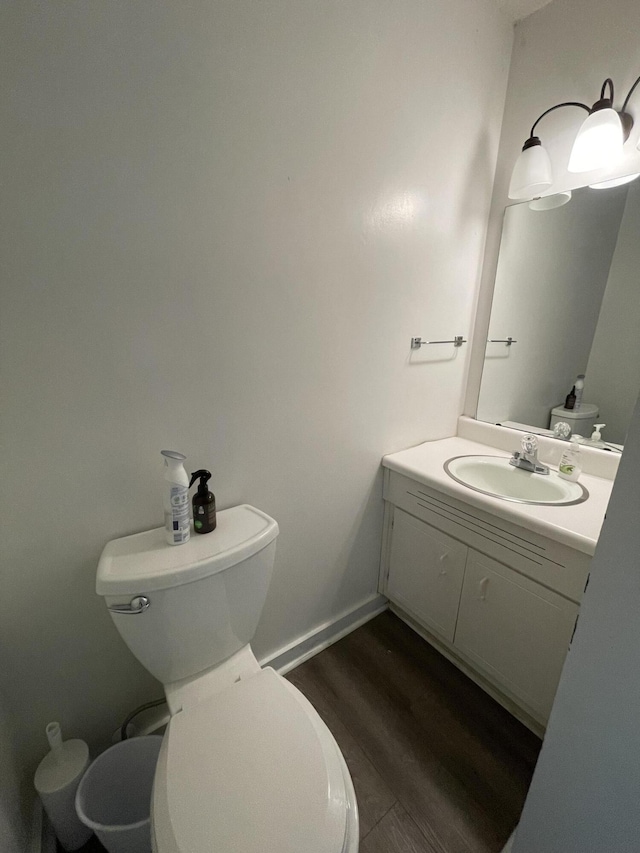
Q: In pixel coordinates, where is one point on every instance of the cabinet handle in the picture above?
(484, 583)
(443, 558)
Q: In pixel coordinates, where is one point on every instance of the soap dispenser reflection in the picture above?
(204, 503)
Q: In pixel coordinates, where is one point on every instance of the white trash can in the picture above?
(114, 796)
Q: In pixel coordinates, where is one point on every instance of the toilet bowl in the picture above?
(246, 765)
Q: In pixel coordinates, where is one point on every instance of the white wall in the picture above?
(562, 52)
(584, 793)
(552, 274)
(13, 827)
(222, 224)
(613, 372)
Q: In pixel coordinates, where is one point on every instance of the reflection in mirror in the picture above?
(567, 293)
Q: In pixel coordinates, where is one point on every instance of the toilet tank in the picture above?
(182, 609)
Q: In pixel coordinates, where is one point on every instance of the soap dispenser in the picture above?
(596, 438)
(570, 467)
(204, 503)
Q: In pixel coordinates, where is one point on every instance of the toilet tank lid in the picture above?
(145, 561)
(586, 410)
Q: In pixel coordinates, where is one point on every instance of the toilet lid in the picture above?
(250, 770)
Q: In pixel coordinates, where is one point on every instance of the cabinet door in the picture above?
(517, 631)
(426, 568)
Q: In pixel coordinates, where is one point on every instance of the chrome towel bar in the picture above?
(416, 343)
(507, 341)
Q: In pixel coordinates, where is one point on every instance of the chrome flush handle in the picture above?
(138, 604)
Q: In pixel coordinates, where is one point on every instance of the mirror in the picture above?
(567, 293)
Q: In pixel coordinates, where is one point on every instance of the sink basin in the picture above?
(493, 475)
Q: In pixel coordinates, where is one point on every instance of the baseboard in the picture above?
(325, 635)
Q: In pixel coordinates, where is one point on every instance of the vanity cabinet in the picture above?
(426, 570)
(515, 630)
(499, 600)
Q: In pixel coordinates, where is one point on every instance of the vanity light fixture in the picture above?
(598, 144)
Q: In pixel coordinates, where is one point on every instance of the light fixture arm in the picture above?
(608, 82)
(631, 91)
(557, 107)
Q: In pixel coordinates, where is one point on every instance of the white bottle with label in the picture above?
(176, 498)
(579, 386)
(570, 467)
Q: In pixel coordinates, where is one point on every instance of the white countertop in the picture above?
(577, 526)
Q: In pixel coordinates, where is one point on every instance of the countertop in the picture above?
(577, 526)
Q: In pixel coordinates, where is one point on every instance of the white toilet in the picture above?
(247, 765)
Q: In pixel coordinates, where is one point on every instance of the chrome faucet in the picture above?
(527, 458)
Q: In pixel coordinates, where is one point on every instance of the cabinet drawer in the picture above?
(515, 630)
(426, 569)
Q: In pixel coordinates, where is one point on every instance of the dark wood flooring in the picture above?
(438, 766)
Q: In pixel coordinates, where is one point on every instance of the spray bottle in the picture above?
(176, 498)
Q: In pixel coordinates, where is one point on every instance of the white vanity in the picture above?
(494, 584)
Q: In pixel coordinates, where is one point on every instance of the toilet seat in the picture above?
(252, 770)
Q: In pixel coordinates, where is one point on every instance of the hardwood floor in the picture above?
(438, 766)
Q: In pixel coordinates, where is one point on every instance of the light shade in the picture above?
(614, 182)
(598, 143)
(532, 173)
(549, 202)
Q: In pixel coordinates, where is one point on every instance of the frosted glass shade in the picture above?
(532, 173)
(598, 143)
(549, 202)
(614, 182)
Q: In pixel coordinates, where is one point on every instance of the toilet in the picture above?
(246, 764)
(581, 421)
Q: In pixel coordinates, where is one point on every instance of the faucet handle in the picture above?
(529, 443)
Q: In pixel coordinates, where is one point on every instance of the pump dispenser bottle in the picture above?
(176, 498)
(204, 503)
(570, 467)
(596, 437)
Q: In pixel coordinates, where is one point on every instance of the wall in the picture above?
(551, 278)
(13, 827)
(584, 793)
(562, 52)
(613, 372)
(222, 223)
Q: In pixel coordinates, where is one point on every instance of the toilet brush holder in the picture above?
(56, 781)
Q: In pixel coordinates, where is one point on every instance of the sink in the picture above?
(493, 475)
